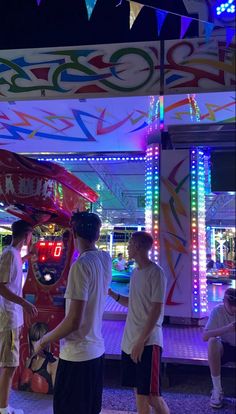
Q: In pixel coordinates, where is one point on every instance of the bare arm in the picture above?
(137, 350)
(12, 297)
(121, 299)
(212, 333)
(70, 323)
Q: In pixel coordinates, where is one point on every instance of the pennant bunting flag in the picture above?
(90, 4)
(185, 22)
(161, 16)
(208, 30)
(135, 9)
(230, 32)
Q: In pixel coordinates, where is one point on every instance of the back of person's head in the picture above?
(20, 228)
(230, 296)
(86, 225)
(6, 241)
(36, 332)
(120, 255)
(66, 236)
(143, 240)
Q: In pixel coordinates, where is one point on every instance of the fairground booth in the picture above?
(143, 116)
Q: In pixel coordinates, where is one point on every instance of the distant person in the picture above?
(79, 378)
(119, 263)
(210, 262)
(142, 339)
(40, 369)
(11, 309)
(220, 332)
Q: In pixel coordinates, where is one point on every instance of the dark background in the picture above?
(65, 23)
(223, 171)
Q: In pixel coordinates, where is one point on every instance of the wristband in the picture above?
(118, 298)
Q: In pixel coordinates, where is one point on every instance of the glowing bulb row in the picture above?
(198, 231)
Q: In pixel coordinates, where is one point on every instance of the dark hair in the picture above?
(20, 227)
(230, 296)
(86, 225)
(6, 240)
(36, 331)
(66, 234)
(143, 239)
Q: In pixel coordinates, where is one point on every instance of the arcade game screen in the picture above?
(52, 248)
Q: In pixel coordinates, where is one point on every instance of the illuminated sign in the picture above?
(49, 251)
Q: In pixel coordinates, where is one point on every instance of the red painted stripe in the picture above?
(154, 386)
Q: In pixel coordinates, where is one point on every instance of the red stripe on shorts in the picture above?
(155, 386)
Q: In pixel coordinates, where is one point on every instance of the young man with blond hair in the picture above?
(143, 340)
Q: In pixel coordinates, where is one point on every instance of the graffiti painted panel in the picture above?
(105, 124)
(195, 65)
(175, 241)
(100, 70)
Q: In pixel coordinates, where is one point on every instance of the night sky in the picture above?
(65, 23)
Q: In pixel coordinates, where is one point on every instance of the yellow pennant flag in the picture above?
(135, 9)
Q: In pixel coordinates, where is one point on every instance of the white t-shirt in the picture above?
(11, 314)
(147, 286)
(88, 280)
(119, 264)
(218, 318)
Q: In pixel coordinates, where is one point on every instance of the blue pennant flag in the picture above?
(161, 16)
(208, 30)
(90, 4)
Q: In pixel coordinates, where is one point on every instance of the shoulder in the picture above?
(217, 310)
(105, 256)
(7, 254)
(156, 270)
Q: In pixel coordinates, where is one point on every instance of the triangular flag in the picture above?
(185, 22)
(161, 16)
(135, 9)
(208, 30)
(230, 32)
(90, 4)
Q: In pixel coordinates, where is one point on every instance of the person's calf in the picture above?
(6, 376)
(158, 404)
(215, 350)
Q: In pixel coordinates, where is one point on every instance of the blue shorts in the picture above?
(145, 376)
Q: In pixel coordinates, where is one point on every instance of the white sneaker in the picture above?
(216, 400)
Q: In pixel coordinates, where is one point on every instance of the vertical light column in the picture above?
(198, 227)
(152, 197)
(152, 175)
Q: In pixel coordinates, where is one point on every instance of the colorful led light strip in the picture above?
(152, 197)
(97, 159)
(198, 228)
(161, 100)
(227, 7)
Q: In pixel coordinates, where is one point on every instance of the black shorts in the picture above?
(145, 375)
(229, 354)
(78, 387)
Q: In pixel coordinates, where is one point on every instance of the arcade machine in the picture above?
(43, 194)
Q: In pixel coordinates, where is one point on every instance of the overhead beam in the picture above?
(115, 186)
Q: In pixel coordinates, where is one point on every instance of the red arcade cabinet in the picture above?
(44, 194)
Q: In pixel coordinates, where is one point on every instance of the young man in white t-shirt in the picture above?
(142, 339)
(79, 378)
(119, 263)
(220, 332)
(11, 310)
